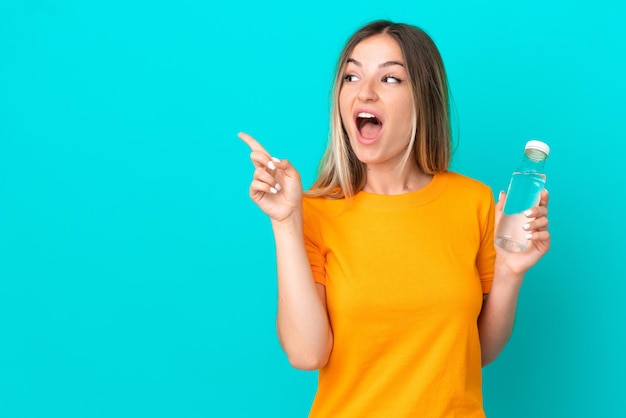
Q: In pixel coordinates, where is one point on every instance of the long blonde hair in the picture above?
(340, 173)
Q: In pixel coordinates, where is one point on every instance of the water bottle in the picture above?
(524, 192)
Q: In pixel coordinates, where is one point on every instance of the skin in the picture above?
(302, 320)
(495, 323)
(376, 81)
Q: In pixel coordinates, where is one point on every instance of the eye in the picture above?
(391, 79)
(350, 77)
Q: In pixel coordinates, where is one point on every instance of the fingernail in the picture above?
(277, 187)
(529, 236)
(528, 212)
(276, 160)
(500, 195)
(526, 226)
(273, 190)
(271, 165)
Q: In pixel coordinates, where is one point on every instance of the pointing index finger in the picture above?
(251, 142)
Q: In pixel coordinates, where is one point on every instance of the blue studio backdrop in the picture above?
(137, 279)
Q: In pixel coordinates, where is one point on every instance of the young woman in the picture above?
(388, 279)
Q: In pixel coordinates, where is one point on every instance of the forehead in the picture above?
(377, 49)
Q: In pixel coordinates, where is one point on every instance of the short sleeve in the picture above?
(486, 257)
(313, 245)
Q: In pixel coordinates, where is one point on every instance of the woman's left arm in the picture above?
(495, 323)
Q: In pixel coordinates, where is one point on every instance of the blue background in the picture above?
(138, 280)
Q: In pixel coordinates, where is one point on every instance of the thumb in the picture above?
(500, 205)
(286, 167)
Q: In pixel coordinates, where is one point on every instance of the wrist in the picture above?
(290, 222)
(504, 274)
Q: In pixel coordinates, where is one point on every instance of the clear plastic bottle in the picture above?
(524, 192)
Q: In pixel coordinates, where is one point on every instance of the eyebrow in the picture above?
(383, 65)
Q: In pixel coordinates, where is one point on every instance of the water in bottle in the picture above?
(524, 192)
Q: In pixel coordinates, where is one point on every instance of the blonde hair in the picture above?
(340, 173)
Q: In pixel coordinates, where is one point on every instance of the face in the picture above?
(375, 101)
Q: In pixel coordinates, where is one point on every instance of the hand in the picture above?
(276, 187)
(538, 244)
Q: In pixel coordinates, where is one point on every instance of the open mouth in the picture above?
(369, 126)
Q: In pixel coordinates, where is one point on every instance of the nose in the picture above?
(367, 90)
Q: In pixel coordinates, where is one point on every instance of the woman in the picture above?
(388, 279)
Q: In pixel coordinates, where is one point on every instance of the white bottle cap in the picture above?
(538, 145)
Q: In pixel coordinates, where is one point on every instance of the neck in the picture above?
(391, 181)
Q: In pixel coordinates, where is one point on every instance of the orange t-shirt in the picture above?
(405, 277)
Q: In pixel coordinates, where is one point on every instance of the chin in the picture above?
(369, 158)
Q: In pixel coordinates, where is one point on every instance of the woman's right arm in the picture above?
(302, 321)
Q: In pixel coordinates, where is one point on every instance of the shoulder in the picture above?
(319, 205)
(466, 185)
(468, 191)
(318, 214)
